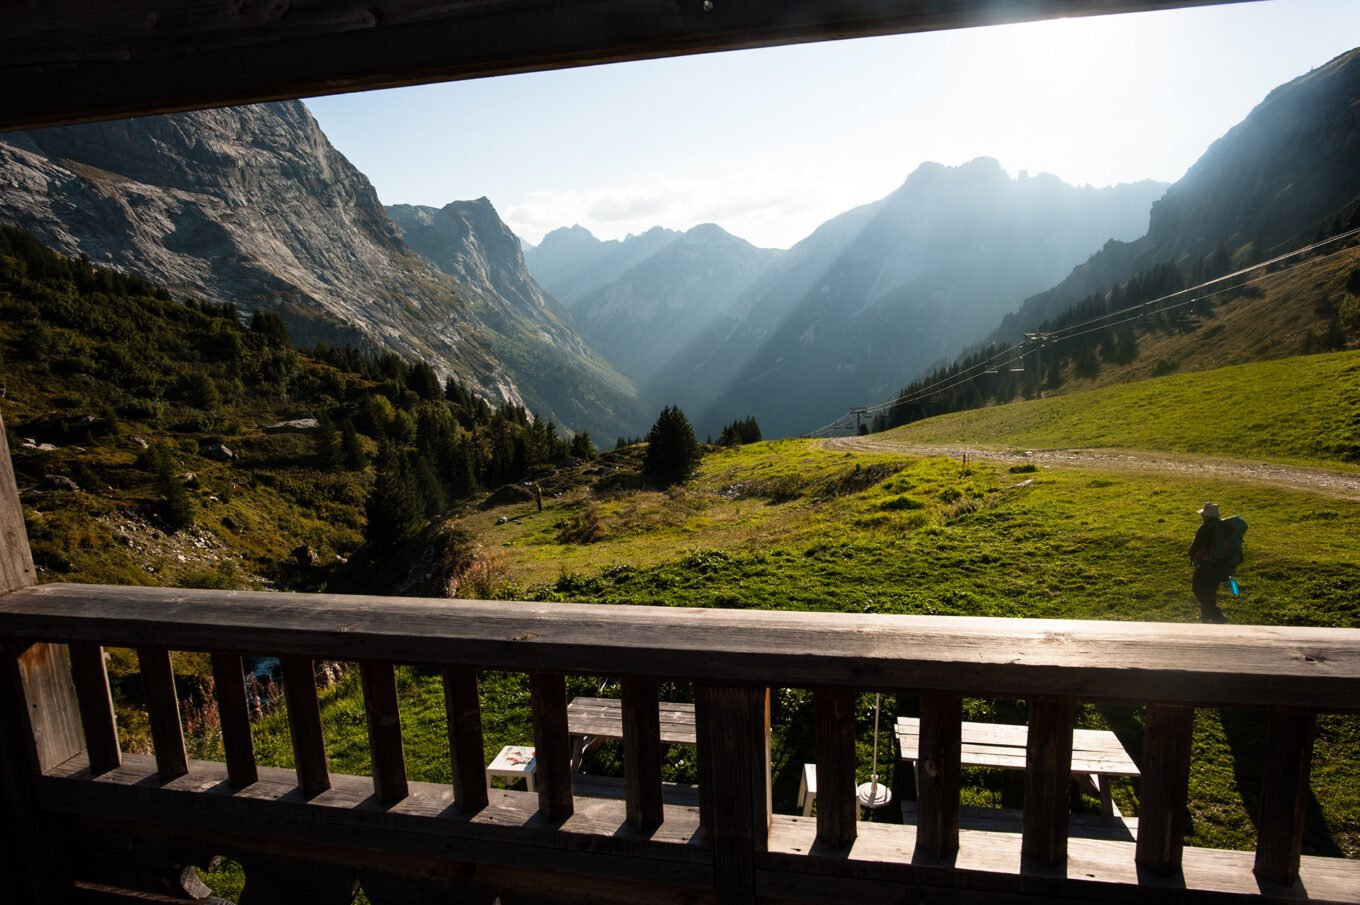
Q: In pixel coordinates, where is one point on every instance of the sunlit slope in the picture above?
(1304, 409)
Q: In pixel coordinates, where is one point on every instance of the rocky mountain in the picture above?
(1268, 183)
(642, 318)
(468, 241)
(571, 263)
(253, 205)
(889, 287)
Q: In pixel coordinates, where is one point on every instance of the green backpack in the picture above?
(1227, 553)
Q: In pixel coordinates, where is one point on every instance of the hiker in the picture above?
(1215, 554)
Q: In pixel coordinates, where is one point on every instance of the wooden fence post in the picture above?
(39, 717)
(733, 731)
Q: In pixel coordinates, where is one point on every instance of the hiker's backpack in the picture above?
(1227, 553)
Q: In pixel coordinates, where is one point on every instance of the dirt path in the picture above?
(1337, 484)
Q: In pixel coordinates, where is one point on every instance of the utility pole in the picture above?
(859, 414)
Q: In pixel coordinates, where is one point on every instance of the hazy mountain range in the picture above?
(253, 205)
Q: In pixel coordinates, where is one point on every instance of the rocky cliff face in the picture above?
(647, 315)
(885, 289)
(562, 376)
(250, 205)
(253, 205)
(1291, 164)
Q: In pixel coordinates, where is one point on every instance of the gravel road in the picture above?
(1337, 484)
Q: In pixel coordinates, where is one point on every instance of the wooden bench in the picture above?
(592, 721)
(1097, 754)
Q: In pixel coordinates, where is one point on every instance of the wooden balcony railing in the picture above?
(309, 833)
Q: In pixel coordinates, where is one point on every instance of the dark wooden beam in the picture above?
(79, 60)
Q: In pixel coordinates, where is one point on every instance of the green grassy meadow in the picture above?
(789, 525)
(1303, 410)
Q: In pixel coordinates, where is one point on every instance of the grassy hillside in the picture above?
(1303, 410)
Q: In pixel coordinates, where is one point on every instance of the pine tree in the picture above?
(176, 507)
(351, 449)
(671, 448)
(394, 507)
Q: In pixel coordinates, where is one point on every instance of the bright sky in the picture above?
(771, 143)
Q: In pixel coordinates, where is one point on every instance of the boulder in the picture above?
(219, 452)
(305, 556)
(58, 482)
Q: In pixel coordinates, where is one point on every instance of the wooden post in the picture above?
(552, 745)
(96, 707)
(1279, 835)
(642, 754)
(938, 774)
(37, 702)
(162, 710)
(229, 681)
(734, 725)
(1165, 785)
(1048, 770)
(833, 717)
(304, 722)
(463, 707)
(379, 681)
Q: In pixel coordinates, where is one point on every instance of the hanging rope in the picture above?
(871, 795)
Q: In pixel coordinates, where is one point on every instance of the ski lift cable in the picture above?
(1141, 308)
(973, 371)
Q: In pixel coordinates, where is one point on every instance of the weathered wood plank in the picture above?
(1166, 783)
(50, 697)
(1046, 777)
(379, 681)
(463, 708)
(1270, 667)
(734, 725)
(938, 773)
(833, 717)
(73, 60)
(552, 744)
(234, 711)
(641, 753)
(1284, 797)
(304, 723)
(603, 718)
(96, 706)
(989, 867)
(162, 711)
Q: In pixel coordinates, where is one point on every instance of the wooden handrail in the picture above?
(734, 659)
(1257, 667)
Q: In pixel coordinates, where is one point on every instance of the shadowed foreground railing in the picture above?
(103, 819)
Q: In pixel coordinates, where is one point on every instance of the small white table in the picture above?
(513, 762)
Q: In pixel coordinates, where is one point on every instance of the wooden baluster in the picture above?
(463, 707)
(1289, 759)
(234, 710)
(1048, 770)
(1165, 785)
(642, 754)
(96, 707)
(379, 681)
(833, 717)
(162, 710)
(304, 722)
(552, 744)
(938, 774)
(733, 724)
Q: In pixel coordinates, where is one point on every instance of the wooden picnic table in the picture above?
(1097, 754)
(592, 721)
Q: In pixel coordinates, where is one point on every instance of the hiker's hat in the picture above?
(1210, 510)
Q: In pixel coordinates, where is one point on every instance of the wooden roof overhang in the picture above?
(65, 61)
